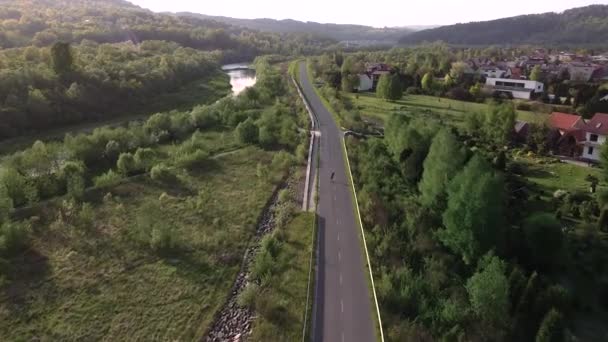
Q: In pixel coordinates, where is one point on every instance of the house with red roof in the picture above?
(576, 137)
(596, 131)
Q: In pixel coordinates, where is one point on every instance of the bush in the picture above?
(6, 204)
(247, 297)
(551, 328)
(413, 91)
(263, 265)
(203, 117)
(85, 217)
(190, 160)
(247, 132)
(13, 237)
(108, 179)
(162, 173)
(19, 189)
(144, 158)
(126, 164)
(153, 228)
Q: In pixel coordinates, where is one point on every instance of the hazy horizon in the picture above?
(383, 13)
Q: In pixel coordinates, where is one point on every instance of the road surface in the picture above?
(342, 309)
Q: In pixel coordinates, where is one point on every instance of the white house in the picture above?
(520, 89)
(596, 131)
(365, 83)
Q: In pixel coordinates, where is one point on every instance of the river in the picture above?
(242, 76)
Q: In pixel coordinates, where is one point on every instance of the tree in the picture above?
(428, 82)
(445, 158)
(488, 291)
(457, 71)
(552, 327)
(474, 220)
(499, 123)
(544, 240)
(389, 88)
(536, 73)
(61, 58)
(247, 132)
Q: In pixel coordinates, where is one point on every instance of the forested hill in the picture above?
(42, 22)
(578, 26)
(335, 31)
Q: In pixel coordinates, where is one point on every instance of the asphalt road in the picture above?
(342, 309)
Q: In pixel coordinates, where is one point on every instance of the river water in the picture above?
(242, 76)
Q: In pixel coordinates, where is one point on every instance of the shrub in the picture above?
(203, 117)
(190, 160)
(107, 179)
(162, 173)
(13, 237)
(302, 153)
(551, 328)
(19, 189)
(153, 229)
(144, 158)
(283, 214)
(85, 217)
(247, 297)
(282, 161)
(413, 91)
(126, 164)
(263, 265)
(247, 132)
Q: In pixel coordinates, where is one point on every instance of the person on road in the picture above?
(333, 174)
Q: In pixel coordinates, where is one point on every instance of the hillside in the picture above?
(578, 26)
(334, 31)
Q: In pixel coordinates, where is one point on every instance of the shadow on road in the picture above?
(320, 292)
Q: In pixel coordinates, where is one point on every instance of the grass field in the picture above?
(93, 281)
(287, 288)
(428, 106)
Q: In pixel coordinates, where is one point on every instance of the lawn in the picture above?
(452, 111)
(288, 287)
(95, 281)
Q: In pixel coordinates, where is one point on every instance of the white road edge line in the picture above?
(369, 264)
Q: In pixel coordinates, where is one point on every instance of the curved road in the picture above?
(342, 309)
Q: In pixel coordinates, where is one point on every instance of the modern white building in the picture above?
(519, 89)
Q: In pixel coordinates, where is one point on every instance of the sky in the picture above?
(378, 13)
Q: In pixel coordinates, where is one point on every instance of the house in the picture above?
(581, 72)
(519, 89)
(520, 131)
(365, 83)
(596, 131)
(492, 71)
(514, 73)
(566, 135)
(376, 70)
(575, 137)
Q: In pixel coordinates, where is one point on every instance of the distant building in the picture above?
(581, 72)
(376, 70)
(576, 137)
(596, 131)
(492, 72)
(519, 89)
(365, 83)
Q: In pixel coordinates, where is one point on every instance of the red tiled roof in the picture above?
(598, 124)
(564, 121)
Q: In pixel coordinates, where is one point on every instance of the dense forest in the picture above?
(578, 26)
(334, 31)
(66, 62)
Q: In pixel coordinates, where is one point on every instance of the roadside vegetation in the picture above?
(474, 233)
(140, 230)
